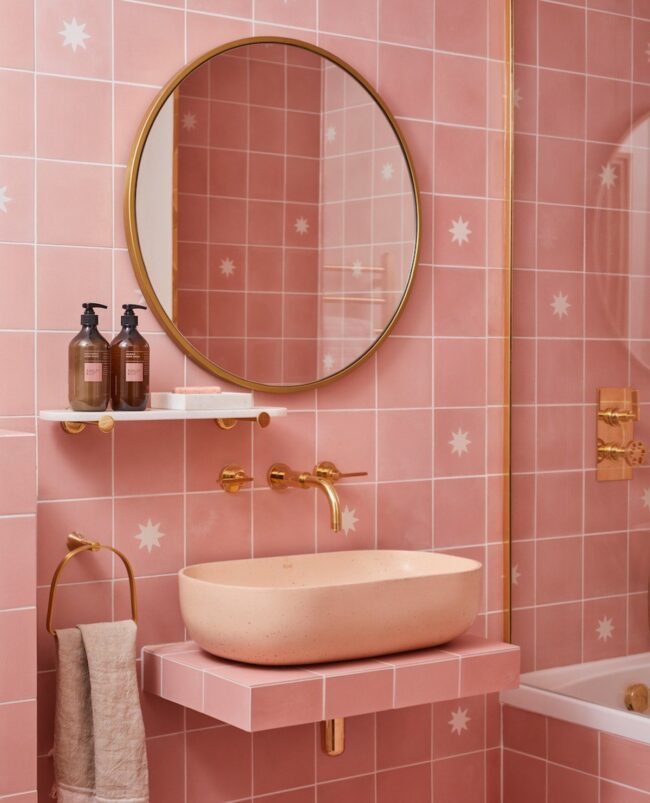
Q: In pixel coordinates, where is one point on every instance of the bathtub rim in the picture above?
(542, 698)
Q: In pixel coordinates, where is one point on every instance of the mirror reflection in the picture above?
(288, 210)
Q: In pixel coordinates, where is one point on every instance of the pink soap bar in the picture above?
(199, 389)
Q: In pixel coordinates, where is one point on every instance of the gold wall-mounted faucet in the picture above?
(325, 474)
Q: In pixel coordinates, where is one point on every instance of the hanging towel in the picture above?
(99, 743)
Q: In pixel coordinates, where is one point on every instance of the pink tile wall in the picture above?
(581, 551)
(17, 615)
(423, 416)
(547, 759)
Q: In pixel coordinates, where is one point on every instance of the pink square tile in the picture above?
(562, 37)
(613, 793)
(559, 570)
(568, 786)
(573, 746)
(462, 27)
(17, 558)
(608, 109)
(524, 778)
(167, 768)
(403, 736)
(357, 20)
(284, 758)
(560, 448)
(639, 560)
(458, 726)
(152, 534)
(607, 306)
(394, 500)
(88, 269)
(149, 43)
(294, 704)
(404, 444)
(395, 363)
(624, 760)
(61, 135)
(460, 778)
(414, 99)
(605, 565)
(563, 358)
(138, 448)
(638, 638)
(459, 377)
(604, 628)
(420, 680)
(207, 513)
(459, 302)
(561, 237)
(478, 674)
(526, 112)
(17, 280)
(558, 635)
(460, 94)
(18, 747)
(460, 160)
(17, 475)
(206, 32)
(561, 171)
(155, 594)
(219, 759)
(524, 731)
(559, 503)
(17, 192)
(17, 397)
(276, 510)
(413, 782)
(459, 231)
(409, 23)
(459, 512)
(73, 40)
(561, 103)
(460, 442)
(350, 693)
(525, 32)
(86, 217)
(609, 41)
(18, 675)
(17, 91)
(17, 39)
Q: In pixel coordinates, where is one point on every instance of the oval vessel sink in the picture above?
(330, 606)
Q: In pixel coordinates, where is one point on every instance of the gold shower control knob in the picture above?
(232, 478)
(636, 697)
(633, 452)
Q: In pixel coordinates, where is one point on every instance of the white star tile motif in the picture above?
(560, 305)
(605, 628)
(349, 520)
(608, 176)
(459, 721)
(645, 498)
(4, 199)
(328, 362)
(227, 267)
(460, 231)
(149, 535)
(459, 442)
(189, 121)
(74, 34)
(330, 134)
(356, 268)
(515, 574)
(516, 97)
(301, 226)
(387, 171)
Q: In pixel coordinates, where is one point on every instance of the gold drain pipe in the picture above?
(334, 736)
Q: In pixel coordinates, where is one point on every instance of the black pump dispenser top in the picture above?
(89, 318)
(130, 318)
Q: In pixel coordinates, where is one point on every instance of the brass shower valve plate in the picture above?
(617, 452)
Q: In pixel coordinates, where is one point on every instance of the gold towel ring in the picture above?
(76, 543)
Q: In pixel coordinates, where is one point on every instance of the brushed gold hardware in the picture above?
(105, 424)
(263, 419)
(633, 452)
(232, 478)
(280, 477)
(328, 471)
(76, 544)
(617, 452)
(334, 736)
(636, 697)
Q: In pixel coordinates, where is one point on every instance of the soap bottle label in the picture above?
(134, 372)
(93, 372)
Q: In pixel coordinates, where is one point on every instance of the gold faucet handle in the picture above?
(635, 452)
(326, 470)
(636, 697)
(232, 477)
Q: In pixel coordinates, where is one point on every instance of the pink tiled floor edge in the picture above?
(256, 698)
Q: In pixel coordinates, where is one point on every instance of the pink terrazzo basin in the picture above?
(331, 606)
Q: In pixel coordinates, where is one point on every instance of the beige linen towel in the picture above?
(99, 744)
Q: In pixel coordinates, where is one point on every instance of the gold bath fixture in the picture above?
(636, 697)
(325, 474)
(232, 477)
(263, 419)
(334, 736)
(617, 453)
(104, 424)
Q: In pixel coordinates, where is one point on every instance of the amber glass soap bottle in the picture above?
(129, 364)
(89, 364)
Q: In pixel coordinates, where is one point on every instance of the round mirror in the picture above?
(272, 214)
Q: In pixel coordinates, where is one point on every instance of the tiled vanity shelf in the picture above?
(225, 418)
(256, 698)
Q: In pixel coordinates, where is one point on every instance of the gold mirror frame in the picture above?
(133, 241)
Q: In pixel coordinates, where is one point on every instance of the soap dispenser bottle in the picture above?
(89, 364)
(129, 364)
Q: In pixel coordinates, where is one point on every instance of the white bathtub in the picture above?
(588, 694)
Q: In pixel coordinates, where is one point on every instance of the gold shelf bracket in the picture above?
(263, 419)
(105, 424)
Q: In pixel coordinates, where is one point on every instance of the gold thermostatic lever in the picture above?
(232, 478)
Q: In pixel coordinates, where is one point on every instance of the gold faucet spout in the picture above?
(280, 477)
(332, 497)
